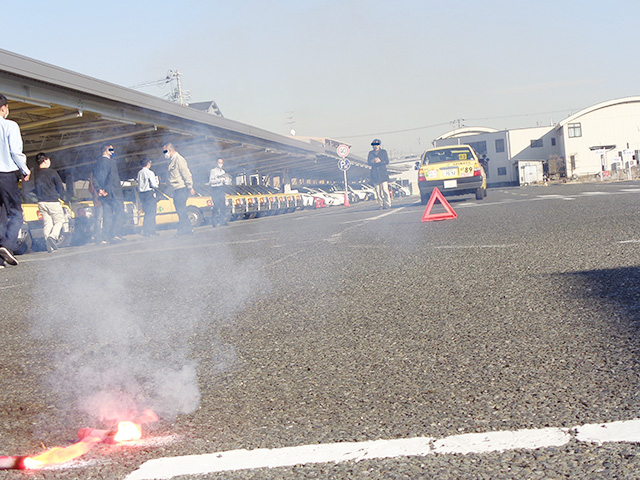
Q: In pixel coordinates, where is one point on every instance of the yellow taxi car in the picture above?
(33, 218)
(199, 209)
(88, 220)
(455, 170)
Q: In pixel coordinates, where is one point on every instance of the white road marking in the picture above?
(377, 217)
(233, 460)
(508, 245)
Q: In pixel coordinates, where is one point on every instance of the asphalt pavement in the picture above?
(345, 324)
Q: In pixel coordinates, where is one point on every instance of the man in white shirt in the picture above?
(218, 178)
(13, 164)
(147, 183)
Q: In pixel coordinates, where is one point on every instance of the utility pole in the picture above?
(178, 95)
(457, 122)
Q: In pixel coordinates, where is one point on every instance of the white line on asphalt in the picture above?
(377, 217)
(507, 245)
(233, 460)
(19, 285)
(629, 241)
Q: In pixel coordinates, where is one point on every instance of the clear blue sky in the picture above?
(352, 70)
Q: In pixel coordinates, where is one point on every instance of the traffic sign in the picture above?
(343, 150)
(344, 164)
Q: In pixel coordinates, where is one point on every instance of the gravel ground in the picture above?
(343, 324)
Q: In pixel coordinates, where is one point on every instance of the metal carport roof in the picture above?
(69, 115)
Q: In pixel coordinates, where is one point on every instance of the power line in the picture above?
(457, 121)
(396, 131)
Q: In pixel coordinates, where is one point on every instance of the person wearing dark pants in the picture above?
(106, 181)
(218, 178)
(181, 181)
(147, 183)
(13, 164)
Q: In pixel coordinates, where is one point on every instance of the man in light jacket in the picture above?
(181, 181)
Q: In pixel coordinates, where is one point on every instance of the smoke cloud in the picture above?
(123, 324)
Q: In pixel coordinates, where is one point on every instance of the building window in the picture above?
(499, 145)
(479, 147)
(553, 141)
(536, 143)
(574, 130)
(502, 171)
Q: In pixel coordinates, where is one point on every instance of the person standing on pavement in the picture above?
(147, 184)
(49, 190)
(378, 159)
(181, 182)
(106, 181)
(218, 178)
(13, 164)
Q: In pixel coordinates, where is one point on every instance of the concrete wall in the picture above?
(613, 124)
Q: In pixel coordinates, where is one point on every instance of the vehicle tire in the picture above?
(195, 216)
(424, 198)
(481, 193)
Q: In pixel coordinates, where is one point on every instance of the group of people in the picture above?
(108, 191)
(106, 185)
(107, 188)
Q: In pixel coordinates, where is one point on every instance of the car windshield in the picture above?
(447, 155)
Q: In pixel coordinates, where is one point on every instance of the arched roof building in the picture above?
(602, 137)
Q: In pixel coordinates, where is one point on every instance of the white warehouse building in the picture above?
(598, 140)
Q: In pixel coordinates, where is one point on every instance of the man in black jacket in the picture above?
(378, 159)
(106, 181)
(49, 190)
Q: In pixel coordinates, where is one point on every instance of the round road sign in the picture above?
(344, 164)
(343, 150)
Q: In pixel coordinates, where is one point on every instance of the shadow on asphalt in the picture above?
(617, 287)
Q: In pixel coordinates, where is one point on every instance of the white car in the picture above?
(399, 189)
(328, 199)
(369, 189)
(310, 200)
(337, 196)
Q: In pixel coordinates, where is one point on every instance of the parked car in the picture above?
(338, 189)
(311, 201)
(455, 170)
(35, 226)
(398, 190)
(328, 199)
(368, 189)
(199, 208)
(88, 219)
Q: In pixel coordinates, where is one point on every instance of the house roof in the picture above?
(593, 108)
(462, 132)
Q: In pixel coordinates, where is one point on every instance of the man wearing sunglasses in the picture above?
(106, 181)
(181, 181)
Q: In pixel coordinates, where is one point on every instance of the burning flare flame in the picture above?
(90, 437)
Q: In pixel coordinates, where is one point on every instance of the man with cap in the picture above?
(378, 159)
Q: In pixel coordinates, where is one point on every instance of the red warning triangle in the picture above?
(427, 216)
